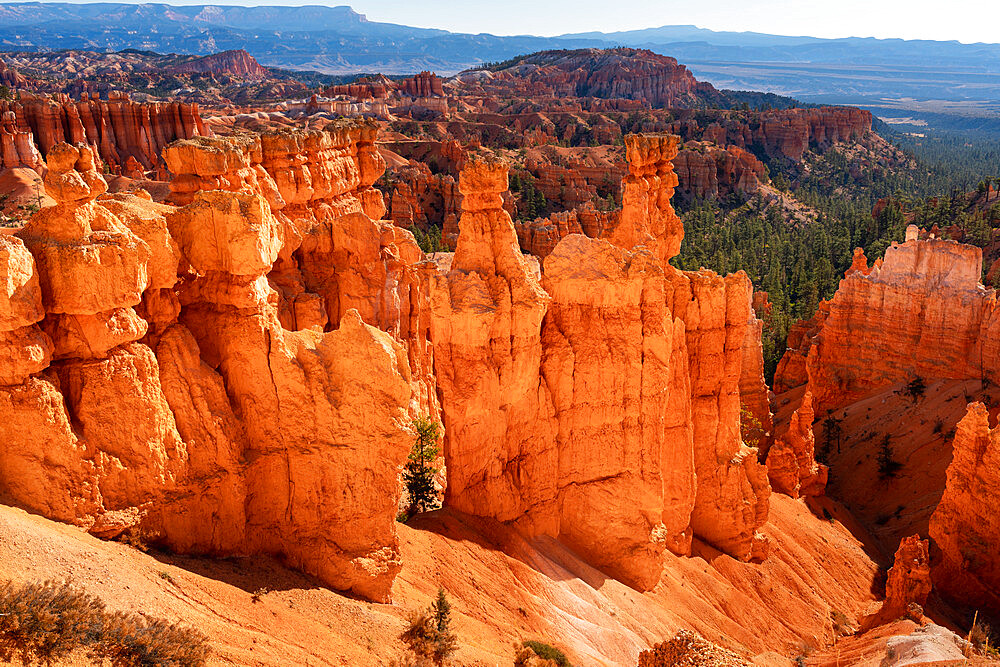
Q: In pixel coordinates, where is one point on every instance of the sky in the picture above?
(962, 20)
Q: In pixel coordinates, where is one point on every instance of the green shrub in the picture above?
(547, 652)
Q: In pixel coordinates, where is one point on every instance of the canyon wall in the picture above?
(707, 171)
(119, 131)
(965, 526)
(916, 317)
(945, 325)
(235, 372)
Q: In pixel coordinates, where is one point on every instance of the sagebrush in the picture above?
(41, 623)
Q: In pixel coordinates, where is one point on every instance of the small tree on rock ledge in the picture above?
(420, 470)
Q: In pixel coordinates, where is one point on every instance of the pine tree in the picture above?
(445, 641)
(420, 470)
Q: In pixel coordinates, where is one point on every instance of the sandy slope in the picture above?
(504, 589)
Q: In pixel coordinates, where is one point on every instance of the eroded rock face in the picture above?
(791, 460)
(486, 326)
(706, 170)
(237, 375)
(908, 583)
(942, 326)
(116, 130)
(965, 526)
(625, 483)
(586, 407)
(733, 490)
(203, 423)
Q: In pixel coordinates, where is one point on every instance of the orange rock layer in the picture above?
(965, 525)
(204, 424)
(118, 131)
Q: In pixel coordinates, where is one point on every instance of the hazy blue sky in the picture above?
(964, 20)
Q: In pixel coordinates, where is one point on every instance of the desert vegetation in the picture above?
(44, 623)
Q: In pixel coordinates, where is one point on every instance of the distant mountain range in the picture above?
(885, 73)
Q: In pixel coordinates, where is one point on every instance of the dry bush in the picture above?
(130, 640)
(45, 622)
(429, 633)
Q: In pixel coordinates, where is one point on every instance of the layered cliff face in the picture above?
(586, 406)
(203, 423)
(781, 133)
(632, 74)
(236, 62)
(541, 235)
(265, 344)
(707, 171)
(486, 327)
(965, 525)
(943, 323)
(117, 130)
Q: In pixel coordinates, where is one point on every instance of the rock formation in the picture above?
(907, 586)
(116, 130)
(236, 373)
(237, 63)
(541, 235)
(632, 74)
(423, 84)
(943, 325)
(584, 407)
(204, 424)
(791, 462)
(486, 328)
(707, 171)
(965, 525)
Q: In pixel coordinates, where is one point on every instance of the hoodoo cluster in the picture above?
(236, 372)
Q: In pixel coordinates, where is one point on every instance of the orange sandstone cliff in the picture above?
(585, 405)
(235, 373)
(965, 525)
(204, 424)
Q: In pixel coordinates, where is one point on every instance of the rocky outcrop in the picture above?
(116, 130)
(237, 63)
(625, 472)
(647, 218)
(335, 254)
(178, 406)
(943, 323)
(10, 77)
(541, 235)
(486, 327)
(423, 84)
(965, 525)
(632, 74)
(17, 144)
(733, 490)
(422, 199)
(791, 460)
(707, 171)
(780, 133)
(907, 586)
(586, 407)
